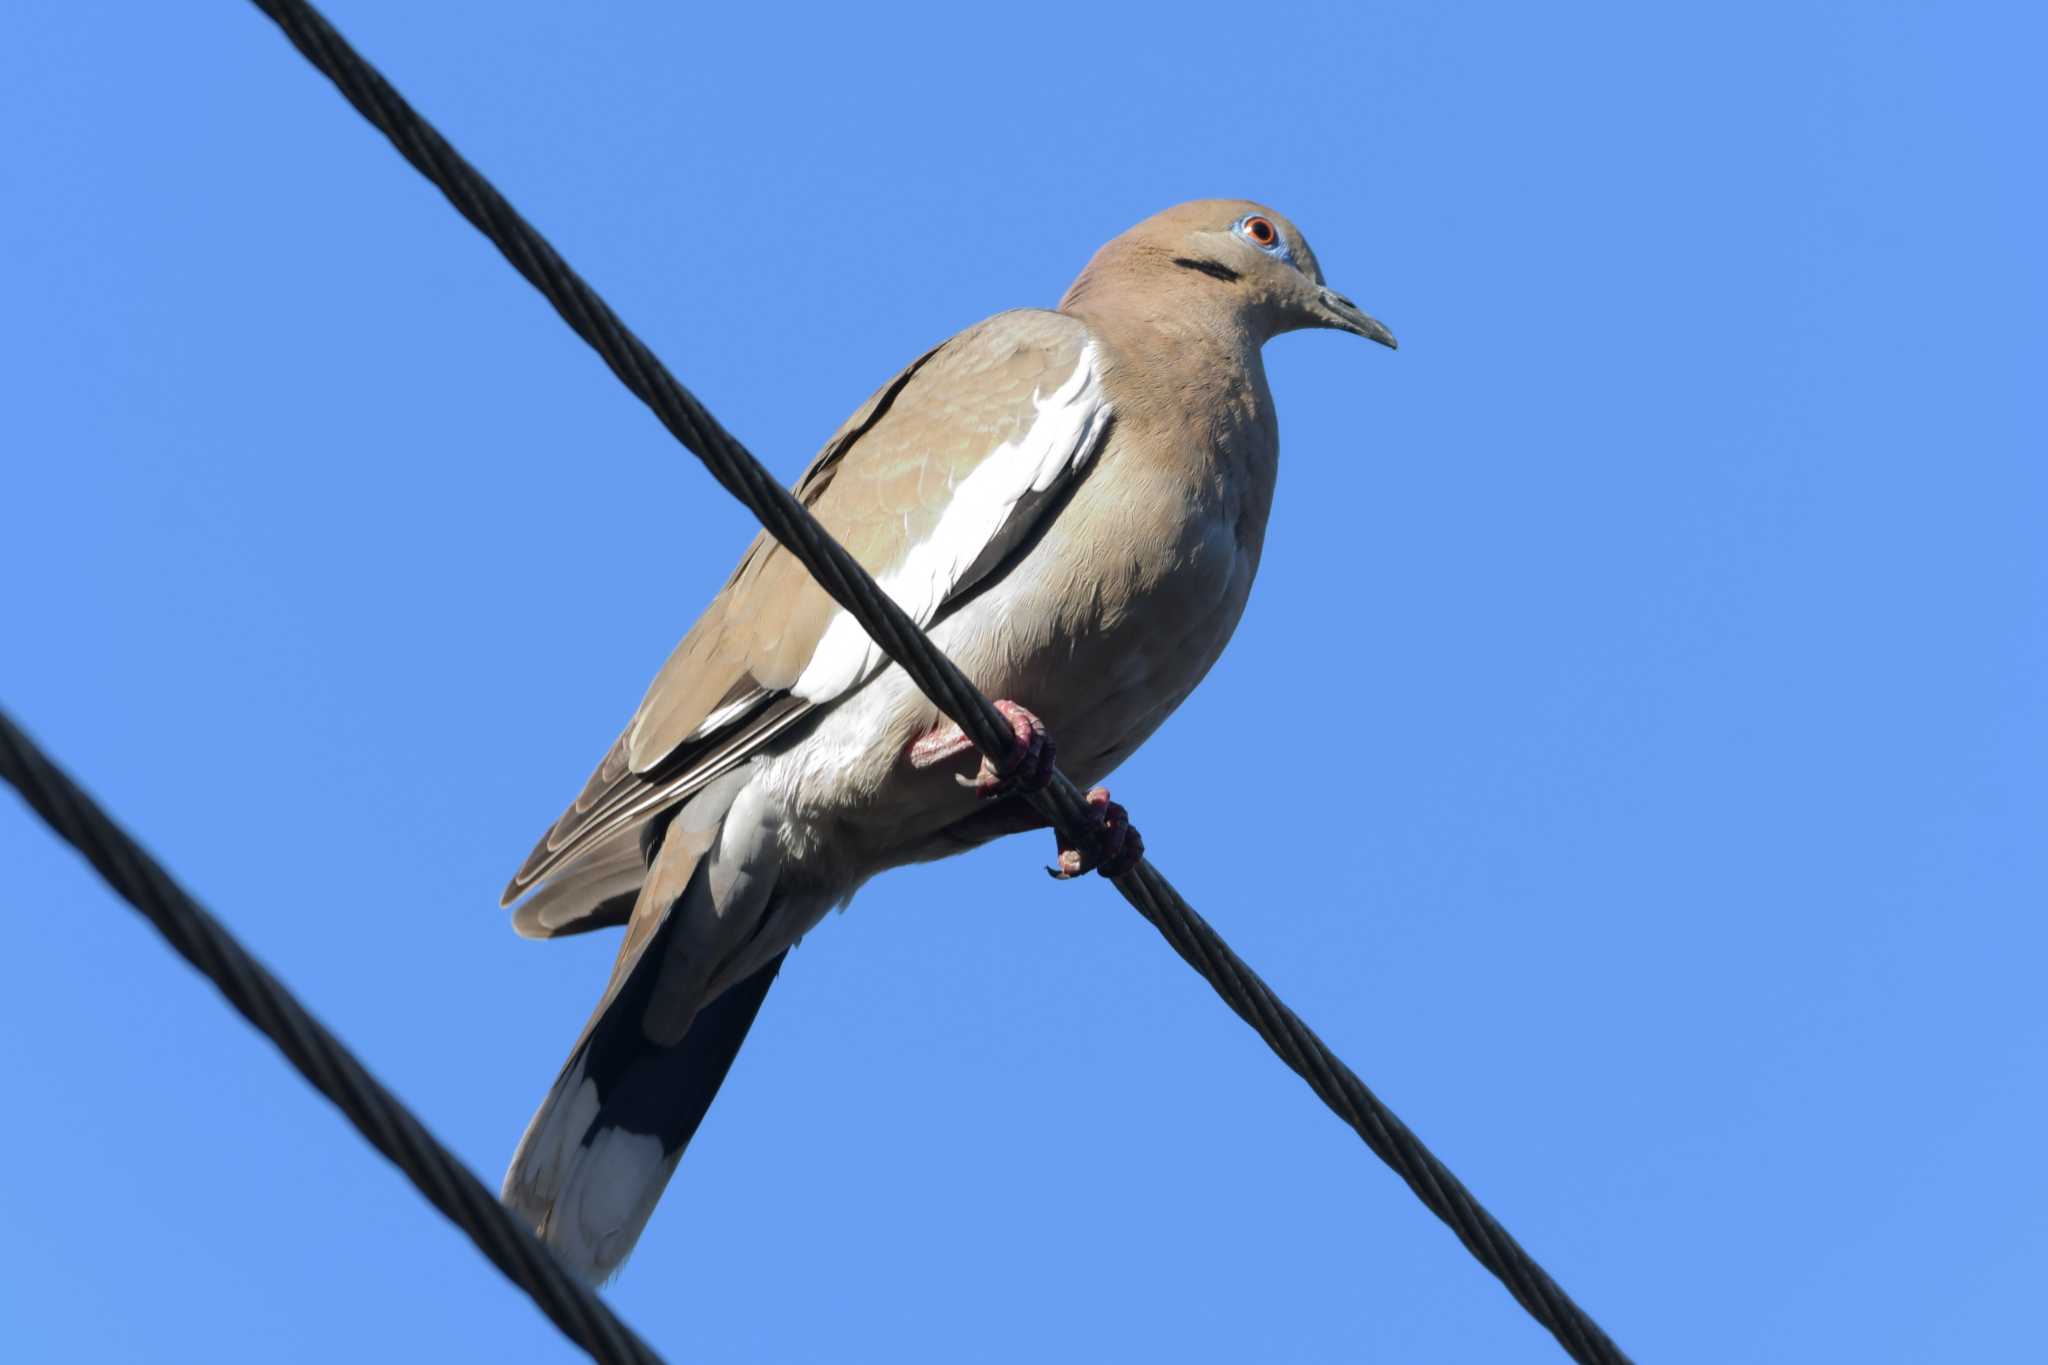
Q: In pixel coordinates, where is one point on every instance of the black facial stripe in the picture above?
(1216, 269)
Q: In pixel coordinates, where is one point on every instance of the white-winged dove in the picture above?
(1073, 504)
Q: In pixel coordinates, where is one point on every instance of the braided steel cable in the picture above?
(325, 1062)
(844, 579)
(900, 638)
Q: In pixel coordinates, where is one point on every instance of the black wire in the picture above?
(319, 1056)
(387, 1124)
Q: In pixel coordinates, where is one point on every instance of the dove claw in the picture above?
(1031, 761)
(1029, 768)
(1118, 845)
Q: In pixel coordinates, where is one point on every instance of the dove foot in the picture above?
(1030, 764)
(1118, 845)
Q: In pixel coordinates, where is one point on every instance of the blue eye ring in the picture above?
(1263, 233)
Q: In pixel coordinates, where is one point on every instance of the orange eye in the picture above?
(1261, 231)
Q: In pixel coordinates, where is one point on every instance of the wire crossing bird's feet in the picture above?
(1028, 769)
(1118, 845)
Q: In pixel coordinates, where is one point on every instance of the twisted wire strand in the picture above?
(319, 1056)
(445, 1182)
(901, 639)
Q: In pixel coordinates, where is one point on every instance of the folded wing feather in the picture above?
(938, 477)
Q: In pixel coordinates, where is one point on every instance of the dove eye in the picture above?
(1260, 231)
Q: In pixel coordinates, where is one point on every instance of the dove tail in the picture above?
(598, 1154)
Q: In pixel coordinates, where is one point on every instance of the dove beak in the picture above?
(1346, 316)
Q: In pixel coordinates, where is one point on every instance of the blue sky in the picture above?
(1631, 761)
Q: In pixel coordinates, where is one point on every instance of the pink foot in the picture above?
(1030, 764)
(1118, 845)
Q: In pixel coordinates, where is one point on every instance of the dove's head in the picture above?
(1224, 261)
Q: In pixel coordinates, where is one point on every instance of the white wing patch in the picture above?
(1062, 436)
(727, 714)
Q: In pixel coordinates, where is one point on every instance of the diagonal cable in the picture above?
(887, 624)
(319, 1056)
(1155, 898)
